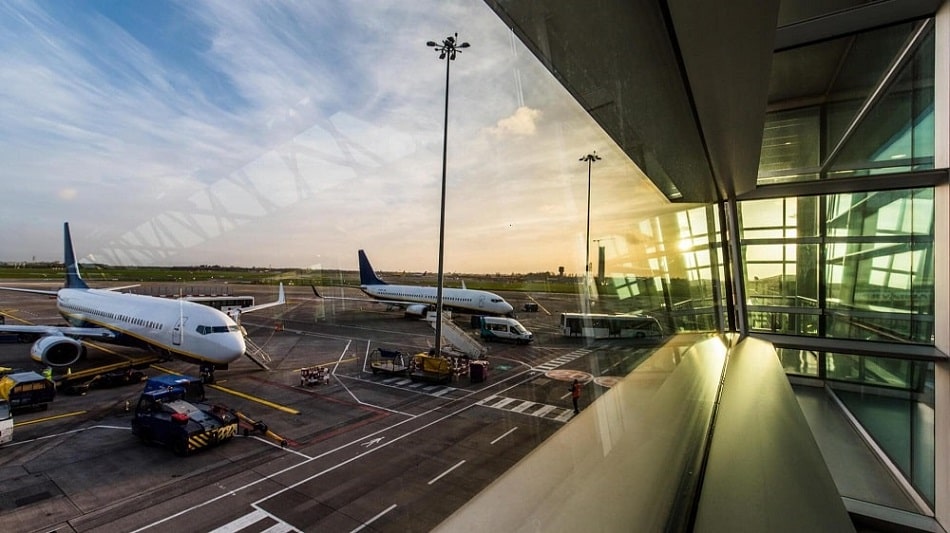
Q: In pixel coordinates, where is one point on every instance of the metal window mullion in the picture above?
(905, 54)
(729, 261)
(732, 225)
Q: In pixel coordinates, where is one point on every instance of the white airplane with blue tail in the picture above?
(419, 300)
(172, 327)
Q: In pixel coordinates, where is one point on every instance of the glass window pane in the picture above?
(894, 134)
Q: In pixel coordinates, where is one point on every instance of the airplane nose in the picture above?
(232, 347)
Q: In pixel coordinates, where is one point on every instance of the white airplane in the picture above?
(178, 328)
(417, 301)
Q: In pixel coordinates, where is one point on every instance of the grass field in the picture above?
(322, 278)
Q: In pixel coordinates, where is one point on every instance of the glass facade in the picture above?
(855, 266)
(840, 268)
(869, 104)
(862, 270)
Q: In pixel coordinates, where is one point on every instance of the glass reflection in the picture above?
(869, 278)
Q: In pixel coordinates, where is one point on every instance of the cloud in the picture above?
(522, 123)
(68, 193)
(286, 133)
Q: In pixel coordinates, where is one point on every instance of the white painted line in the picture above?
(524, 405)
(486, 400)
(282, 527)
(265, 478)
(505, 434)
(565, 416)
(371, 520)
(438, 477)
(544, 410)
(503, 403)
(445, 390)
(241, 523)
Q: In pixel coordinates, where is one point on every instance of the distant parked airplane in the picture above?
(178, 328)
(418, 300)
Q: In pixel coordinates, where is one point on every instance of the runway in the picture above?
(375, 452)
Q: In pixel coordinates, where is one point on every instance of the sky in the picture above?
(292, 134)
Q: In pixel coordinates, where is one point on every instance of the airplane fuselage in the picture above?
(470, 300)
(186, 330)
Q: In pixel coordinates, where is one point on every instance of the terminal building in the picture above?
(803, 148)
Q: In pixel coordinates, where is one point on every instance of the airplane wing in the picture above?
(53, 293)
(391, 303)
(63, 331)
(280, 301)
(122, 288)
(32, 291)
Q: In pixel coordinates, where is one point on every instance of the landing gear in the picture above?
(207, 374)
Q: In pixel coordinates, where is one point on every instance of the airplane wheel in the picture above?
(143, 437)
(180, 448)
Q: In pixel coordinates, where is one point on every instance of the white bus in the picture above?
(6, 422)
(602, 326)
(224, 304)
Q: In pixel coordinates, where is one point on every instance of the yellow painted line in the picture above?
(18, 319)
(47, 418)
(256, 399)
(240, 394)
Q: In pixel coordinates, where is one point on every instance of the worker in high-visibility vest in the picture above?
(575, 394)
(48, 373)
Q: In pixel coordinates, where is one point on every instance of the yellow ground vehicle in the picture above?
(24, 390)
(429, 367)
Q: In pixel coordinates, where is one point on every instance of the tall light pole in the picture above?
(590, 158)
(447, 51)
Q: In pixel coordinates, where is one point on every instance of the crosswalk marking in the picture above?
(563, 360)
(523, 407)
(526, 407)
(252, 519)
(502, 403)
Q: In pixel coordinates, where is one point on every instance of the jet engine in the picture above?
(56, 350)
(417, 311)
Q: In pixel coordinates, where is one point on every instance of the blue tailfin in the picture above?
(367, 274)
(73, 279)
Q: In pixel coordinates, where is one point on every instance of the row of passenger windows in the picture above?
(113, 316)
(203, 330)
(417, 296)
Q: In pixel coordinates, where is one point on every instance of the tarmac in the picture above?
(364, 451)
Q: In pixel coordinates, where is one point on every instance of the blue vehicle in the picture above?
(170, 413)
(191, 388)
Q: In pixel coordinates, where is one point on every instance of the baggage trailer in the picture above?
(388, 361)
(314, 375)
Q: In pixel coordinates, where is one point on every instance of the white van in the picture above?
(504, 328)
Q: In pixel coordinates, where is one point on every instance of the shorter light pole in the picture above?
(590, 158)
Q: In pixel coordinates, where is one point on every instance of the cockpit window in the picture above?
(205, 330)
